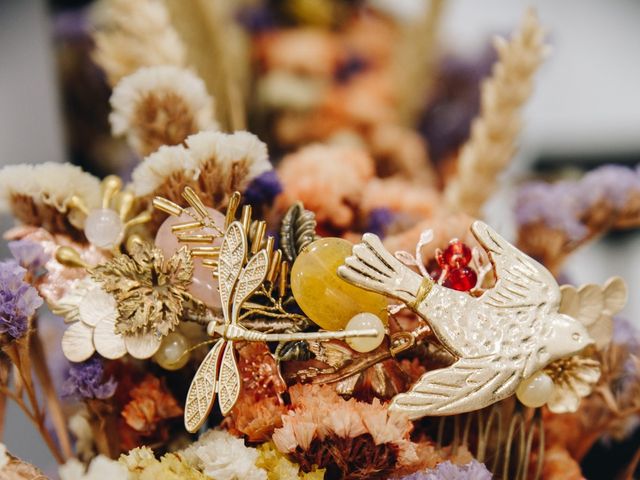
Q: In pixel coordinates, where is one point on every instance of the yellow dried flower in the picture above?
(149, 290)
(143, 465)
(279, 467)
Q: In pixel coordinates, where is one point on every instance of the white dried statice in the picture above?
(160, 105)
(222, 456)
(100, 468)
(40, 194)
(130, 35)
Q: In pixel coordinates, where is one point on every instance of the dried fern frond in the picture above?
(494, 133)
(130, 35)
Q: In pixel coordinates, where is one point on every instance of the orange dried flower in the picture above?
(350, 438)
(559, 465)
(329, 180)
(150, 404)
(255, 419)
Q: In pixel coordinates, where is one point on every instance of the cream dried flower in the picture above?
(222, 456)
(214, 165)
(131, 35)
(573, 379)
(227, 162)
(160, 105)
(80, 427)
(92, 314)
(494, 133)
(41, 195)
(101, 467)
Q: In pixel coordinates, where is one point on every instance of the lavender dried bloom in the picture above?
(85, 381)
(263, 189)
(379, 220)
(18, 300)
(473, 470)
(564, 205)
(28, 254)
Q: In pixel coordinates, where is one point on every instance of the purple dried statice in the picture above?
(18, 300)
(473, 470)
(85, 380)
(554, 205)
(30, 255)
(379, 220)
(565, 205)
(263, 189)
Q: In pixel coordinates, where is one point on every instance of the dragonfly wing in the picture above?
(229, 380)
(252, 276)
(232, 254)
(202, 391)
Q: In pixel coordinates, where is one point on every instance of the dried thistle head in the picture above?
(131, 35)
(160, 105)
(41, 195)
(149, 289)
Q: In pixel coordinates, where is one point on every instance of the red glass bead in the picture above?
(457, 254)
(434, 269)
(461, 279)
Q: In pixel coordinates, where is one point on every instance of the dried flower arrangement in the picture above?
(227, 320)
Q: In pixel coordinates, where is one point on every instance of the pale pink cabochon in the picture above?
(204, 286)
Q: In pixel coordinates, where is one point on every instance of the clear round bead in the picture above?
(536, 390)
(103, 228)
(365, 321)
(172, 353)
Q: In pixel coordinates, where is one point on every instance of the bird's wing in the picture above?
(522, 282)
(467, 385)
(373, 268)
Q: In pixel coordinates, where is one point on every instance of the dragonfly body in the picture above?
(218, 373)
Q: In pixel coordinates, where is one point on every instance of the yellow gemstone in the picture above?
(323, 296)
(536, 390)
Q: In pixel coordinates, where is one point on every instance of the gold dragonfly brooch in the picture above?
(218, 373)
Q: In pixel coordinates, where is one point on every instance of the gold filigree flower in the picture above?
(148, 289)
(573, 379)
